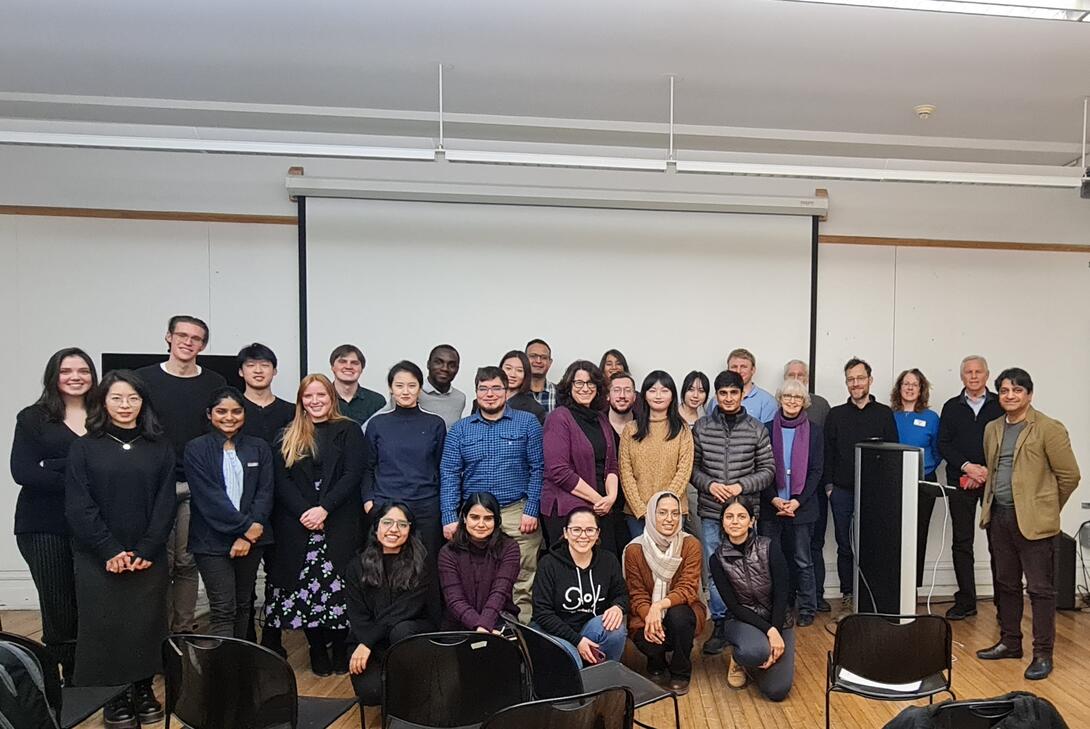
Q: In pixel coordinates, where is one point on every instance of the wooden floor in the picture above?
(711, 704)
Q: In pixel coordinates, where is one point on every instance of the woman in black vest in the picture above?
(119, 502)
(44, 432)
(751, 575)
(316, 519)
(231, 479)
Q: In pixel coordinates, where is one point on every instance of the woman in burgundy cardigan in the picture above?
(477, 568)
(580, 453)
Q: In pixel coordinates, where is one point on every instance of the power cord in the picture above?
(942, 539)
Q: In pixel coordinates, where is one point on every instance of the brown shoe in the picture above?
(679, 686)
(736, 675)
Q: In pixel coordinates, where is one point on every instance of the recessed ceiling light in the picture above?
(924, 111)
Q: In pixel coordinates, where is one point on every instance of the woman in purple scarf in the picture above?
(797, 445)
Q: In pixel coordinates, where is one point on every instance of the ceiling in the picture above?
(824, 78)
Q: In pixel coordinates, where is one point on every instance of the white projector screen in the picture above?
(673, 291)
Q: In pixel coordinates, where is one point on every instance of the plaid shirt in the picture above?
(504, 458)
(547, 397)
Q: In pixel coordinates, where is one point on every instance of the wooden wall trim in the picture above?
(191, 217)
(859, 240)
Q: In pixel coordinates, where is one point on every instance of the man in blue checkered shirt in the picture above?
(497, 449)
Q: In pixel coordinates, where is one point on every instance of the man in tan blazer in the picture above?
(1031, 472)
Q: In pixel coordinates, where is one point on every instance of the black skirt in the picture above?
(122, 622)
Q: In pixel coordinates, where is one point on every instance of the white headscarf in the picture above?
(662, 554)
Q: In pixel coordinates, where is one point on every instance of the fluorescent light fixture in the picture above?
(556, 160)
(1064, 178)
(1077, 10)
(166, 144)
(303, 186)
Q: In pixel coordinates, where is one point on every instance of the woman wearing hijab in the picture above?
(662, 571)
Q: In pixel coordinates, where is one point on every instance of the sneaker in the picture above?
(847, 604)
(736, 675)
(148, 708)
(714, 645)
(119, 712)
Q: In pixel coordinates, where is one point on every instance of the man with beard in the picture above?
(541, 359)
(499, 450)
(621, 398)
(439, 395)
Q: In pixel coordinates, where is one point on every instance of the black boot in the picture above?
(320, 664)
(270, 638)
(339, 649)
(148, 708)
(119, 712)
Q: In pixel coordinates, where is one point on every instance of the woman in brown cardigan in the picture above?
(662, 569)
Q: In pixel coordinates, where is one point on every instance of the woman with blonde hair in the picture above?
(316, 519)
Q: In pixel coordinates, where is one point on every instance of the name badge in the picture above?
(919, 423)
(252, 465)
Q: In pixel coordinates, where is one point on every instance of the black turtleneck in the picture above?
(590, 423)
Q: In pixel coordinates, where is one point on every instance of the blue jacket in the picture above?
(215, 523)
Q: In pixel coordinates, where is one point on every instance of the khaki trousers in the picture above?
(529, 545)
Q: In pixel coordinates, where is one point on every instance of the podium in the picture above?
(887, 477)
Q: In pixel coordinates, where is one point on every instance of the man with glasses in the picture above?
(499, 450)
(860, 418)
(180, 389)
(621, 398)
(540, 355)
(732, 456)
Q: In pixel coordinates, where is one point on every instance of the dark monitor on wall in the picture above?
(226, 365)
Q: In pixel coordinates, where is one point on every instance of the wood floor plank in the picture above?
(711, 704)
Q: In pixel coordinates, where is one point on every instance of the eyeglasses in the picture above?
(493, 390)
(583, 531)
(799, 398)
(857, 380)
(398, 524)
(583, 385)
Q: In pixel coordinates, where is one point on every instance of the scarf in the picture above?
(800, 450)
(662, 554)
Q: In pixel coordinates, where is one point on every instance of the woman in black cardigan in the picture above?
(316, 519)
(392, 594)
(231, 480)
(44, 432)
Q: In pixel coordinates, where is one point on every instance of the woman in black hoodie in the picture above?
(580, 597)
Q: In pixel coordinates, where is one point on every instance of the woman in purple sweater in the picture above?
(580, 454)
(477, 568)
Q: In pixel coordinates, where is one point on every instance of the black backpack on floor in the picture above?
(23, 704)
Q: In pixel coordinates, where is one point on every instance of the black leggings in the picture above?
(49, 557)
(368, 685)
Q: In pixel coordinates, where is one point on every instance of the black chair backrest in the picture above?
(553, 673)
(893, 648)
(216, 682)
(450, 679)
(610, 708)
(982, 714)
(51, 673)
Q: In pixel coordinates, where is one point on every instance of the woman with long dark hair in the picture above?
(44, 432)
(391, 593)
(656, 450)
(231, 481)
(695, 389)
(516, 365)
(404, 448)
(119, 502)
(478, 568)
(612, 363)
(580, 455)
(316, 520)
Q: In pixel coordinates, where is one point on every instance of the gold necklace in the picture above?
(125, 446)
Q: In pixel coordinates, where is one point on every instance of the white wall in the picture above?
(866, 306)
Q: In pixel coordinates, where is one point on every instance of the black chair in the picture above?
(214, 682)
(890, 650)
(73, 704)
(611, 708)
(980, 714)
(553, 673)
(455, 679)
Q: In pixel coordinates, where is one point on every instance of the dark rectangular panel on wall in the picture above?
(225, 364)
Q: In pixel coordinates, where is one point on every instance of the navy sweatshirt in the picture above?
(401, 460)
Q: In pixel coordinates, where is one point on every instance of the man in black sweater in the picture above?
(180, 390)
(860, 418)
(961, 445)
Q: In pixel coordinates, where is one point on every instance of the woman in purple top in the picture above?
(477, 568)
(580, 453)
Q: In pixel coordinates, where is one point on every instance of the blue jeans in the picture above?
(843, 503)
(712, 531)
(635, 526)
(611, 642)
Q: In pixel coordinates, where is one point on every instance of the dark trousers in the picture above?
(679, 622)
(842, 502)
(795, 541)
(368, 685)
(962, 504)
(229, 583)
(1012, 556)
(49, 557)
(817, 543)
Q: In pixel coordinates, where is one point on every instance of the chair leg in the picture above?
(827, 717)
(677, 713)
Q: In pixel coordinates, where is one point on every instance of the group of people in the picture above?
(589, 509)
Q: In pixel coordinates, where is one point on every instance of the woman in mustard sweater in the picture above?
(656, 450)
